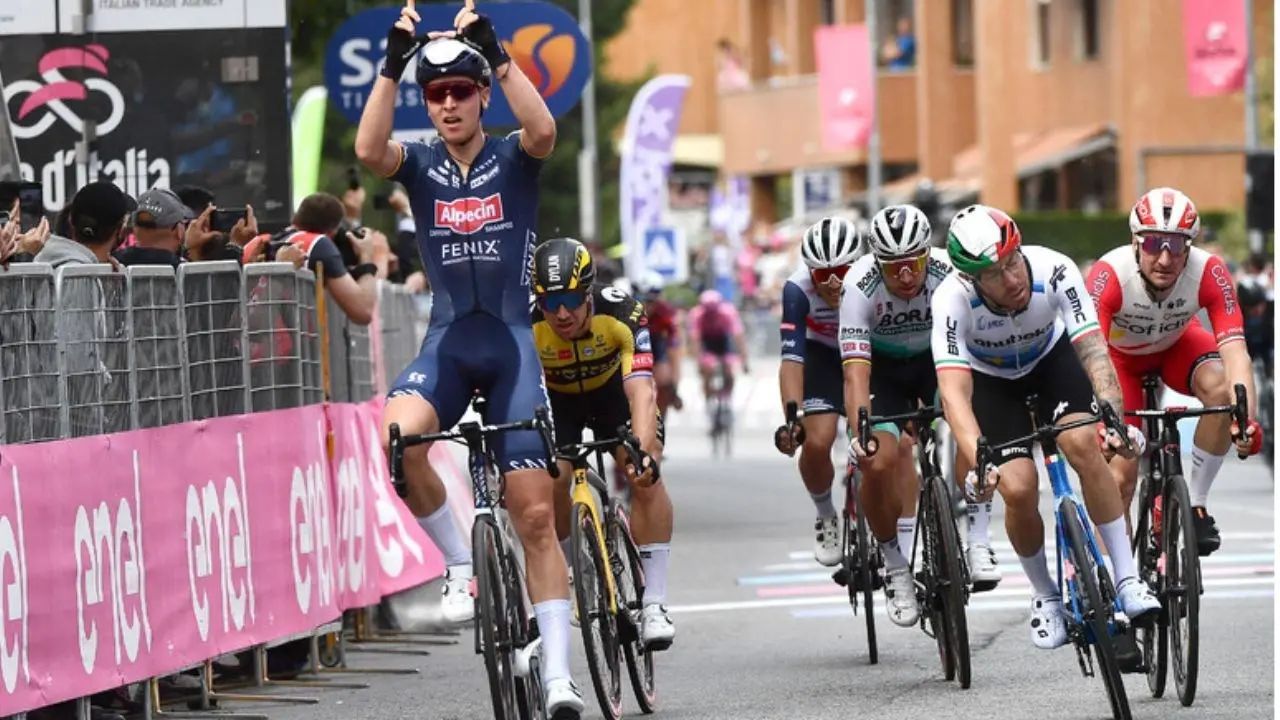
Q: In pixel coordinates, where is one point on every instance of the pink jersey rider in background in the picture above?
(716, 328)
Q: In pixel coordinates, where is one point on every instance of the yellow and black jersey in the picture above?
(616, 345)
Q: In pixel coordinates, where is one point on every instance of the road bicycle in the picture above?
(1089, 595)
(505, 634)
(1164, 543)
(860, 560)
(942, 584)
(720, 410)
(608, 577)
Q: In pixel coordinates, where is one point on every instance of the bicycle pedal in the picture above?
(985, 585)
(841, 577)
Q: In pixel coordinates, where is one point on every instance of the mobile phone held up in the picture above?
(223, 219)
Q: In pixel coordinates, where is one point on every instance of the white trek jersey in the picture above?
(969, 334)
(805, 313)
(1137, 325)
(874, 320)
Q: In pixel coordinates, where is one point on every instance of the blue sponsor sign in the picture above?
(543, 39)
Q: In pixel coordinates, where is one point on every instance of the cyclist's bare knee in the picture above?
(1125, 472)
(531, 502)
(1019, 486)
(415, 416)
(885, 461)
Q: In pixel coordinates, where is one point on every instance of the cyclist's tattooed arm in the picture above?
(1092, 351)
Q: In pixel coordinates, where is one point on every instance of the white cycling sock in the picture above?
(444, 533)
(1036, 568)
(1204, 468)
(893, 557)
(553, 626)
(1116, 538)
(653, 560)
(980, 523)
(823, 504)
(906, 534)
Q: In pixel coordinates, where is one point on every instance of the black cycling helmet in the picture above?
(450, 57)
(562, 264)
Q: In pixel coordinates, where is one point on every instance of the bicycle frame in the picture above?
(582, 485)
(1062, 490)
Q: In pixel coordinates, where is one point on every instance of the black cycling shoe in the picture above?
(1207, 537)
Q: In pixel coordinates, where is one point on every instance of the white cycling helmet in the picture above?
(1165, 210)
(899, 231)
(830, 242)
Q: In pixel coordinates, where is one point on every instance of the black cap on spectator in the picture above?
(195, 197)
(161, 208)
(97, 209)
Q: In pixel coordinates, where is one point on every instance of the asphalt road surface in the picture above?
(763, 633)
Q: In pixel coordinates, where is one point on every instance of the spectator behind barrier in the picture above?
(309, 240)
(160, 225)
(95, 222)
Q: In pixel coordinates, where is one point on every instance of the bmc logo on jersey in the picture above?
(467, 216)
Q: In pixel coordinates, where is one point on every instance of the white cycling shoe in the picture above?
(1048, 623)
(657, 632)
(900, 597)
(564, 699)
(826, 541)
(984, 572)
(456, 601)
(1136, 599)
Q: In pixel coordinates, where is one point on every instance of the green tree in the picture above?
(314, 21)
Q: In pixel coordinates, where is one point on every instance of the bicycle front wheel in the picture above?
(866, 572)
(492, 621)
(1095, 611)
(595, 619)
(949, 584)
(1182, 588)
(629, 574)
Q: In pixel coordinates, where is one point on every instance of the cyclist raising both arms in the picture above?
(595, 348)
(1147, 295)
(664, 334)
(475, 198)
(810, 371)
(715, 329)
(884, 344)
(1005, 327)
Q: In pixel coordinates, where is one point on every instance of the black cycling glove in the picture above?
(481, 34)
(401, 47)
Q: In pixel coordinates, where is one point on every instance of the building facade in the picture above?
(1029, 104)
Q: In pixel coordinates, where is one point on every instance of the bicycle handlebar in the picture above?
(467, 433)
(1239, 411)
(986, 452)
(920, 416)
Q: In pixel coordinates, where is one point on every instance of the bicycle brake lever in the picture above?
(1240, 413)
(868, 443)
(397, 461)
(983, 458)
(1112, 422)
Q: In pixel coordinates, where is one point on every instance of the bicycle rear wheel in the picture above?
(1153, 639)
(492, 617)
(629, 574)
(1183, 588)
(1095, 612)
(949, 583)
(599, 631)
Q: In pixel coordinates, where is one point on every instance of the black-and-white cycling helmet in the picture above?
(449, 57)
(830, 242)
(899, 231)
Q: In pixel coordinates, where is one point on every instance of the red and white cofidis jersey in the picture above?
(1136, 324)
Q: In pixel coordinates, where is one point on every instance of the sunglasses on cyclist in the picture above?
(569, 300)
(460, 90)
(911, 265)
(1156, 243)
(828, 276)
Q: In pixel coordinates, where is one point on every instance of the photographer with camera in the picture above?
(309, 240)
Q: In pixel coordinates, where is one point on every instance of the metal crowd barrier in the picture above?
(88, 350)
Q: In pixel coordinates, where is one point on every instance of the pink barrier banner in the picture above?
(1215, 38)
(127, 556)
(846, 85)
